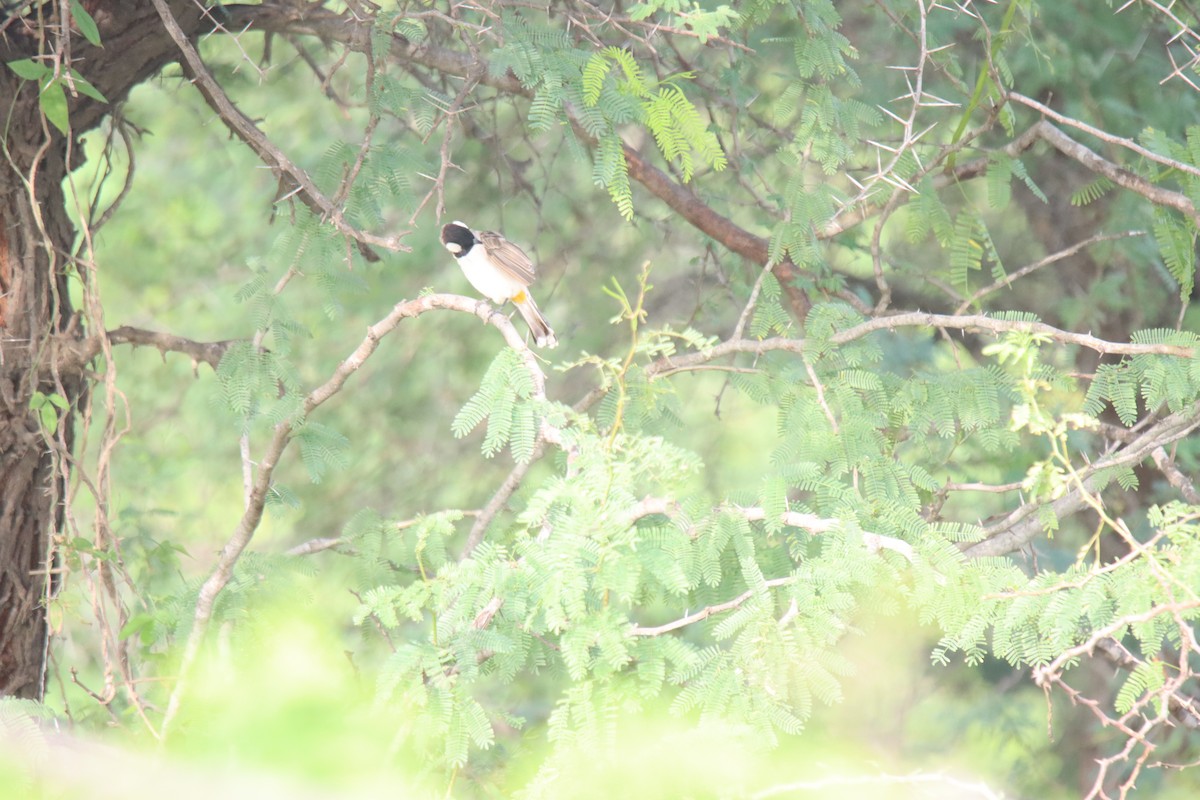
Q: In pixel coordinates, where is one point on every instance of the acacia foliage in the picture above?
(955, 431)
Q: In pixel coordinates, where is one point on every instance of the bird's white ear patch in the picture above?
(454, 247)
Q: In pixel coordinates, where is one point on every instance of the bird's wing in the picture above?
(508, 256)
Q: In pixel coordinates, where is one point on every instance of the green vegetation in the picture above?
(864, 466)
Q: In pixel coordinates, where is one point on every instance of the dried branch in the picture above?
(75, 355)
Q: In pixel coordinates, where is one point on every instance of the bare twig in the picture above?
(751, 301)
(1067, 252)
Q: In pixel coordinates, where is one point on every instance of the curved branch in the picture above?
(1115, 173)
(705, 613)
(256, 502)
(1104, 136)
(688, 205)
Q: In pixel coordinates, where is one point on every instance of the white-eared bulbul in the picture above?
(500, 271)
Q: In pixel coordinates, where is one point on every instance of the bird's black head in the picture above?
(457, 238)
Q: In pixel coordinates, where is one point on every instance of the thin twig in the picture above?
(705, 613)
(1008, 279)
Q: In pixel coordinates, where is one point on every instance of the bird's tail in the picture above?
(543, 334)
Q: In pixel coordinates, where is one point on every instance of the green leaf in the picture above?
(85, 23)
(53, 102)
(1177, 244)
(29, 69)
(46, 406)
(640, 11)
(49, 419)
(141, 624)
(966, 249)
(85, 87)
(593, 78)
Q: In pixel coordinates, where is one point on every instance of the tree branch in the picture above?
(75, 355)
(809, 522)
(916, 319)
(242, 127)
(688, 205)
(1103, 136)
(705, 613)
(1066, 252)
(981, 322)
(1166, 465)
(353, 33)
(256, 502)
(498, 500)
(1117, 174)
(1020, 527)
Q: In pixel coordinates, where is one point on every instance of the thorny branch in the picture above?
(76, 354)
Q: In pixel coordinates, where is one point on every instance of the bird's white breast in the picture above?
(488, 279)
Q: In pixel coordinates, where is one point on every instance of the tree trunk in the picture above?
(36, 239)
(34, 306)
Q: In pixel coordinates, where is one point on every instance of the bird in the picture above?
(500, 271)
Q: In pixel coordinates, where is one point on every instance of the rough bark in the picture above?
(34, 233)
(36, 237)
